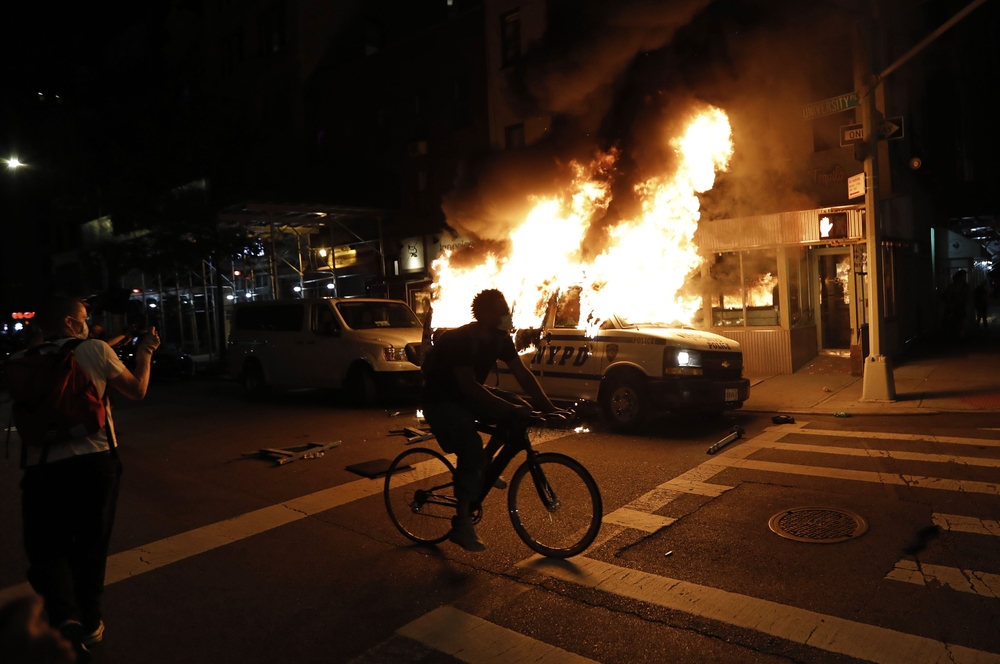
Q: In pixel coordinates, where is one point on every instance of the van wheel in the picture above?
(625, 402)
(254, 385)
(361, 388)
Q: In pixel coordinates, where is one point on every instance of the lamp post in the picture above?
(14, 163)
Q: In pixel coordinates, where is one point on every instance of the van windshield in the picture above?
(371, 315)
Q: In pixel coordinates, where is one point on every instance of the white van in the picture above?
(356, 344)
(634, 370)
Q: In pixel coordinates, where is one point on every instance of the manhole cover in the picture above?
(821, 525)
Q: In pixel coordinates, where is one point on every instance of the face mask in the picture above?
(84, 330)
(506, 324)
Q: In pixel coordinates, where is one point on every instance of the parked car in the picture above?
(634, 370)
(169, 360)
(358, 345)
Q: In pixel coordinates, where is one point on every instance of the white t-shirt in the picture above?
(101, 364)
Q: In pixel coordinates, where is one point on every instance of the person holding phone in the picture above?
(69, 497)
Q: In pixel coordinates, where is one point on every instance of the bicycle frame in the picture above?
(501, 450)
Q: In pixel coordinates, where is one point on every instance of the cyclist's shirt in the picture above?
(463, 347)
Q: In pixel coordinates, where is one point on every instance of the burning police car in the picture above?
(634, 370)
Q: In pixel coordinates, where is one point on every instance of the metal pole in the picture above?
(298, 248)
(194, 315)
(180, 307)
(160, 317)
(381, 250)
(878, 382)
(220, 309)
(275, 290)
(208, 312)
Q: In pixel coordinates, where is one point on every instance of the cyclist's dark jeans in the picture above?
(454, 425)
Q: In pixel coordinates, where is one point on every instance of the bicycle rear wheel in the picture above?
(419, 495)
(555, 505)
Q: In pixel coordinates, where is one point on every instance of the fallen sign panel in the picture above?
(373, 469)
(284, 455)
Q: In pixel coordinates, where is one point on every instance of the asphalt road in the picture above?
(222, 558)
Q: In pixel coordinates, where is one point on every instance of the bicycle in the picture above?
(558, 519)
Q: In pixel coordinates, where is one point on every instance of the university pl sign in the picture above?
(831, 106)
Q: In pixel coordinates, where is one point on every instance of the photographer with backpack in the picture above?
(71, 468)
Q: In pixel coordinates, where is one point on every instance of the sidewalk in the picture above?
(934, 380)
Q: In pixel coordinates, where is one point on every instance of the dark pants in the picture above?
(453, 423)
(68, 510)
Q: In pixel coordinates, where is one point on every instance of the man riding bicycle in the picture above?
(455, 398)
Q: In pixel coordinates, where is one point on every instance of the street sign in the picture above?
(856, 186)
(851, 134)
(891, 128)
(830, 106)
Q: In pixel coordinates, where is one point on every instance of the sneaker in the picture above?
(500, 484)
(94, 636)
(72, 631)
(463, 533)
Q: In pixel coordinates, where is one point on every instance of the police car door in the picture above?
(568, 362)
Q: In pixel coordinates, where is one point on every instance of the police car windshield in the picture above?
(377, 315)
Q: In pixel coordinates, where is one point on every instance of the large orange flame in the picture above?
(641, 272)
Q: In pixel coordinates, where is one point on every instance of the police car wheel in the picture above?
(625, 403)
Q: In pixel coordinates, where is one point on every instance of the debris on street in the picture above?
(413, 434)
(284, 455)
(736, 434)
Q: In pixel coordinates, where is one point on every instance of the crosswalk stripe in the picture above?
(888, 435)
(474, 640)
(966, 524)
(630, 518)
(825, 632)
(984, 584)
(916, 481)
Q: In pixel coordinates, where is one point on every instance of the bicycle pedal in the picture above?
(500, 483)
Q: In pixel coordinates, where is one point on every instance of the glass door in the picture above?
(835, 277)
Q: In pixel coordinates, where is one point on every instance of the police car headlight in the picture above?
(681, 362)
(688, 358)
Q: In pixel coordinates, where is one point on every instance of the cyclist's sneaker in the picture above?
(95, 635)
(72, 631)
(463, 533)
(500, 484)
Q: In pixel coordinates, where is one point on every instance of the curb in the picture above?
(853, 412)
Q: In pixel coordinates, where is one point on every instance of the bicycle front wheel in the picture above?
(555, 505)
(420, 495)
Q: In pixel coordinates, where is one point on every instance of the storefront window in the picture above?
(744, 289)
(760, 274)
(725, 291)
(800, 310)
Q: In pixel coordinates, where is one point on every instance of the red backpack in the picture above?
(54, 399)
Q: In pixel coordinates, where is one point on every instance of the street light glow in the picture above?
(13, 163)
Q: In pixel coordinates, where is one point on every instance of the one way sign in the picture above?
(891, 128)
(888, 129)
